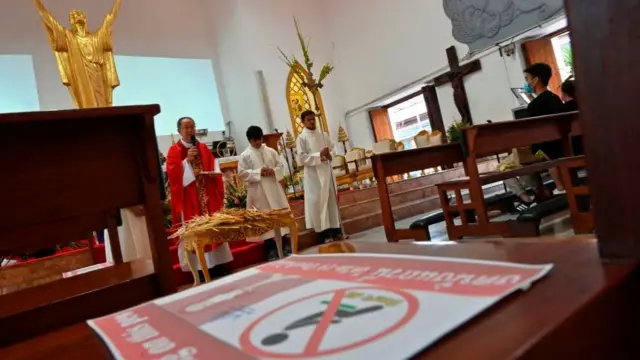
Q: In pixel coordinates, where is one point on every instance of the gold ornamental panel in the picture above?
(300, 99)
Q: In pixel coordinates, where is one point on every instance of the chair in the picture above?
(435, 138)
(384, 146)
(422, 139)
(359, 165)
(341, 172)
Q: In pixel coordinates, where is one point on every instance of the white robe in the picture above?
(320, 200)
(133, 238)
(263, 192)
(222, 254)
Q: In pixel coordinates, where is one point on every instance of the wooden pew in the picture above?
(578, 194)
(499, 137)
(67, 174)
(401, 162)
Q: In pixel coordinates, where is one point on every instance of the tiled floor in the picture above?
(557, 225)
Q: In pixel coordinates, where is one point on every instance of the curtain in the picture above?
(381, 124)
(541, 51)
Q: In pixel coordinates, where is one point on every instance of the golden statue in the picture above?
(85, 59)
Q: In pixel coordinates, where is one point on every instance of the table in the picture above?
(580, 310)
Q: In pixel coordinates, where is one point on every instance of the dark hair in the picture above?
(541, 71)
(568, 88)
(254, 133)
(307, 113)
(180, 121)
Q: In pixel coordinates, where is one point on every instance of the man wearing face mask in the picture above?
(537, 78)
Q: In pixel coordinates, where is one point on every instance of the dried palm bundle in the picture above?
(234, 224)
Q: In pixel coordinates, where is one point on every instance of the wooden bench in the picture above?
(578, 195)
(499, 137)
(502, 202)
(78, 168)
(401, 162)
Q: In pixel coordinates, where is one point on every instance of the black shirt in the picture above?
(570, 106)
(547, 103)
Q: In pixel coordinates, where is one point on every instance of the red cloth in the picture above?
(185, 199)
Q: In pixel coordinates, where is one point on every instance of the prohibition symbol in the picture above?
(329, 323)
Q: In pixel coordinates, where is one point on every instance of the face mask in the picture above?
(528, 88)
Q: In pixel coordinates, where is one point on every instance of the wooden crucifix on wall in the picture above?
(455, 76)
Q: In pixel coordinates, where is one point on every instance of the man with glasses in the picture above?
(196, 189)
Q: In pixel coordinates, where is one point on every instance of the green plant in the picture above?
(567, 57)
(289, 180)
(291, 61)
(454, 131)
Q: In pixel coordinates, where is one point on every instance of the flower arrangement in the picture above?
(235, 193)
(291, 61)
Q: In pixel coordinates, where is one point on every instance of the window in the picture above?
(182, 87)
(18, 88)
(564, 57)
(408, 119)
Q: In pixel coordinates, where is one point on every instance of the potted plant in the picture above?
(454, 131)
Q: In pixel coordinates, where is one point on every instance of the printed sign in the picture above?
(339, 306)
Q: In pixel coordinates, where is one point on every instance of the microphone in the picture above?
(194, 141)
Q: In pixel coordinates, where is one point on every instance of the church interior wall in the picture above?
(248, 41)
(381, 46)
(375, 47)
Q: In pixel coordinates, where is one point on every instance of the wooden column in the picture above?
(433, 108)
(607, 73)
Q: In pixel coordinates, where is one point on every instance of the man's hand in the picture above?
(138, 211)
(267, 172)
(326, 153)
(196, 172)
(191, 154)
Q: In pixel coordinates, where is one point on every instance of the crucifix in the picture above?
(455, 76)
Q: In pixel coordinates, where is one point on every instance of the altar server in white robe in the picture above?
(261, 168)
(132, 233)
(315, 152)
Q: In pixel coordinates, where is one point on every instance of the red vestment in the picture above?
(185, 200)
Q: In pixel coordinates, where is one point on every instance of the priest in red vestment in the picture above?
(195, 191)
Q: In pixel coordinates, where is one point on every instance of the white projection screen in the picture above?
(182, 87)
(18, 88)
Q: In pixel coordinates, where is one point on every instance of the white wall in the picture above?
(248, 34)
(382, 46)
(488, 91)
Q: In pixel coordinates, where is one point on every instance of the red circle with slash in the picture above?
(311, 349)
